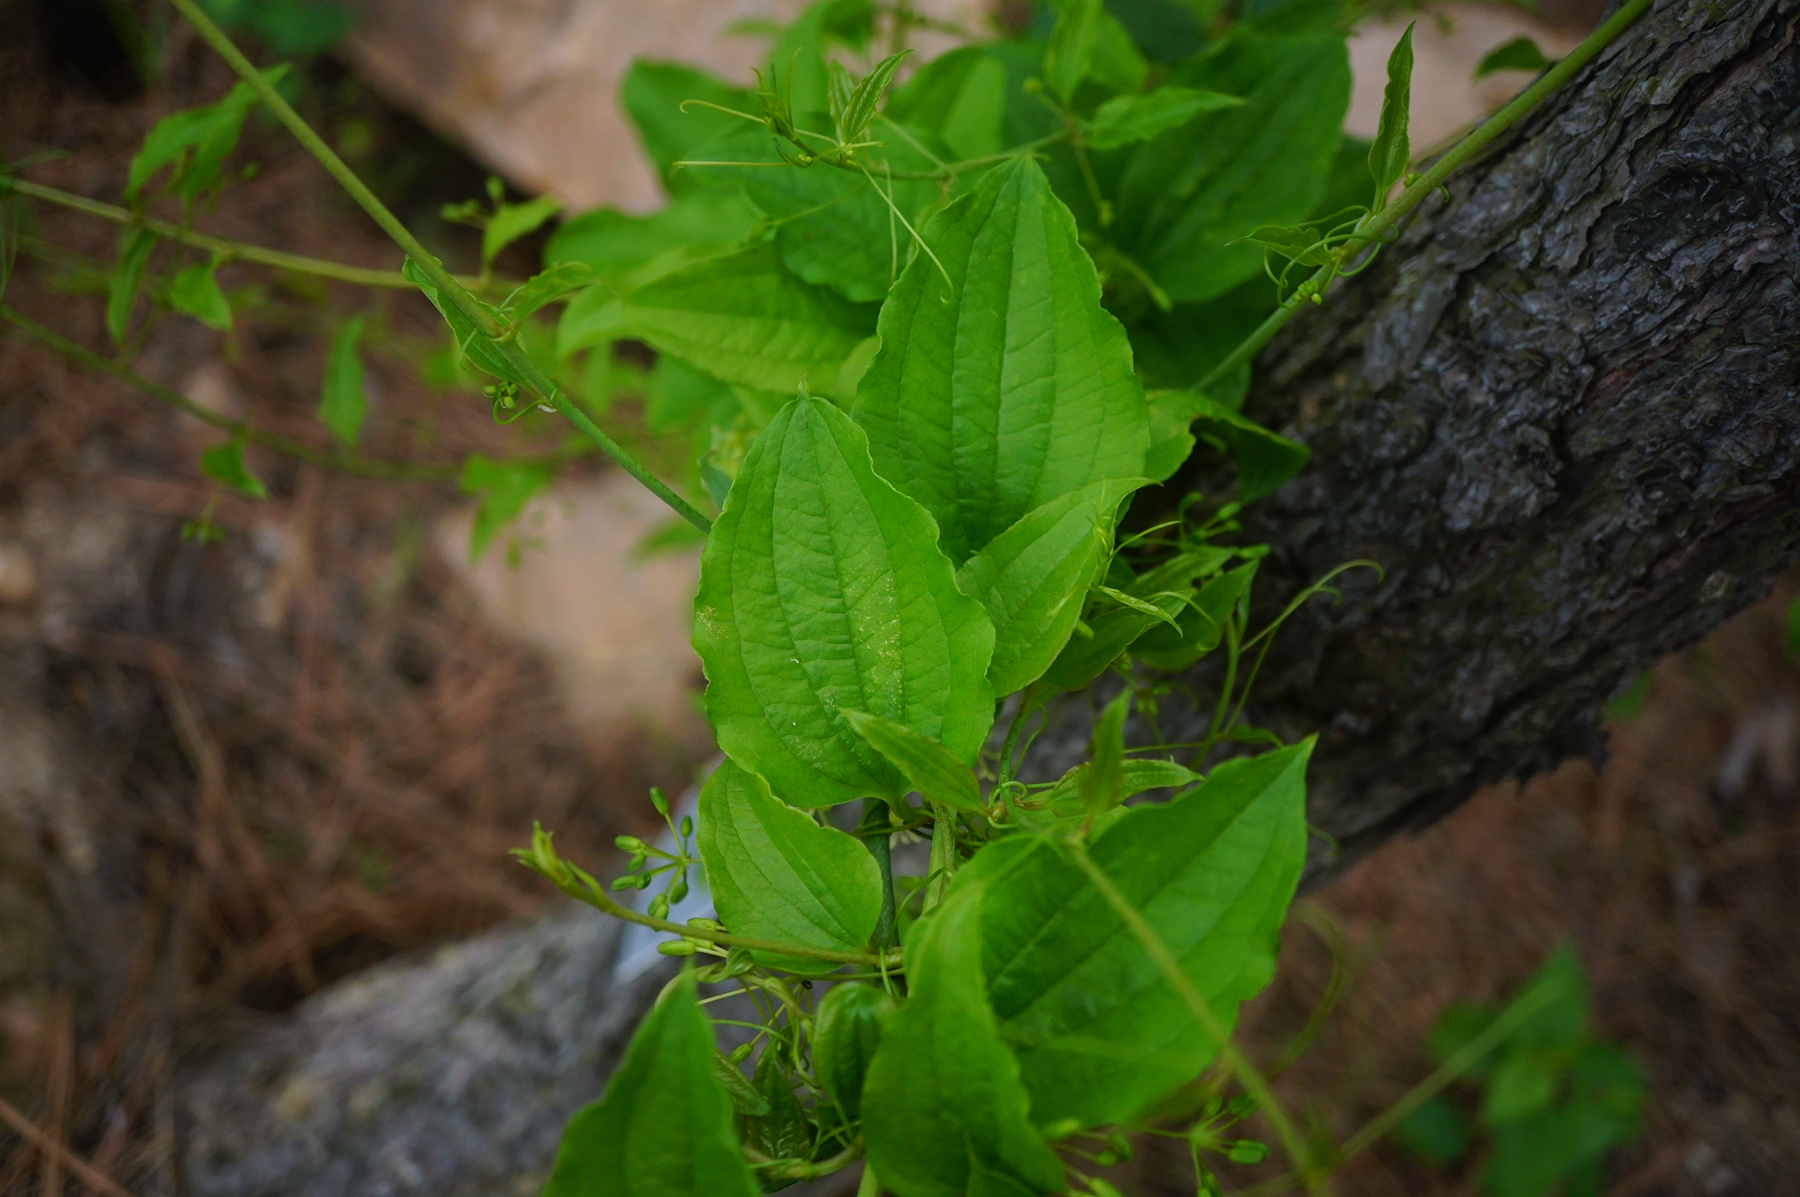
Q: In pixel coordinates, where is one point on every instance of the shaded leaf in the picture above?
(821, 588)
(784, 1133)
(775, 874)
(745, 1097)
(1392, 151)
(1010, 386)
(652, 95)
(1184, 197)
(1201, 623)
(512, 221)
(194, 143)
(1083, 660)
(547, 287)
(1032, 578)
(225, 464)
(1519, 54)
(1103, 781)
(127, 277)
(503, 488)
(744, 318)
(1069, 58)
(1264, 459)
(195, 292)
(927, 765)
(1097, 1029)
(960, 97)
(663, 1129)
(627, 251)
(1129, 118)
(847, 1030)
(343, 402)
(943, 1103)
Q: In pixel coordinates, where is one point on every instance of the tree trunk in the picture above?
(1561, 414)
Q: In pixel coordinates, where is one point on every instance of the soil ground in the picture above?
(230, 774)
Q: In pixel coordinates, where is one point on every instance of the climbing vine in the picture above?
(927, 330)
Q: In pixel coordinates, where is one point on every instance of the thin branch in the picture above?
(28, 1130)
(231, 250)
(452, 291)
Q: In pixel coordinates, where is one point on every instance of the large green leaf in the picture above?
(776, 874)
(1010, 385)
(663, 1129)
(1186, 196)
(822, 588)
(628, 251)
(943, 1102)
(961, 97)
(832, 225)
(1033, 577)
(1098, 1031)
(847, 1030)
(653, 95)
(742, 318)
(928, 767)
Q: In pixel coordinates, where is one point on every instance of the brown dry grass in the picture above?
(287, 756)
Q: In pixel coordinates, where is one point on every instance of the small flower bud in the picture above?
(676, 947)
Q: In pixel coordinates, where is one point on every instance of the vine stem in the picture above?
(584, 888)
(1246, 1072)
(453, 291)
(1381, 222)
(231, 250)
(348, 463)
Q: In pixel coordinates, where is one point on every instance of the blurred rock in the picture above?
(531, 86)
(568, 580)
(450, 1075)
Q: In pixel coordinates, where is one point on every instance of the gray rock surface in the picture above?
(450, 1075)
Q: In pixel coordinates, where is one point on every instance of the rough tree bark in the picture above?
(1561, 412)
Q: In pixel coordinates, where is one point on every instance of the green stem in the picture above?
(584, 888)
(1246, 1072)
(348, 463)
(230, 250)
(452, 291)
(1381, 222)
(886, 934)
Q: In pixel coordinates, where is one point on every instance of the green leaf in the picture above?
(860, 110)
(1010, 386)
(1098, 1031)
(1519, 54)
(1142, 606)
(784, 1133)
(1184, 197)
(832, 226)
(342, 401)
(1201, 623)
(1389, 156)
(225, 464)
(927, 765)
(1033, 576)
(775, 874)
(745, 1097)
(1123, 120)
(1117, 65)
(1562, 1020)
(545, 288)
(652, 95)
(627, 251)
(1436, 1132)
(821, 588)
(482, 351)
(1297, 243)
(663, 1129)
(504, 487)
(1171, 412)
(1103, 781)
(512, 221)
(195, 292)
(1083, 660)
(1522, 1085)
(745, 319)
(1135, 776)
(1264, 460)
(960, 97)
(847, 1031)
(943, 1101)
(194, 143)
(1069, 58)
(678, 395)
(135, 245)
